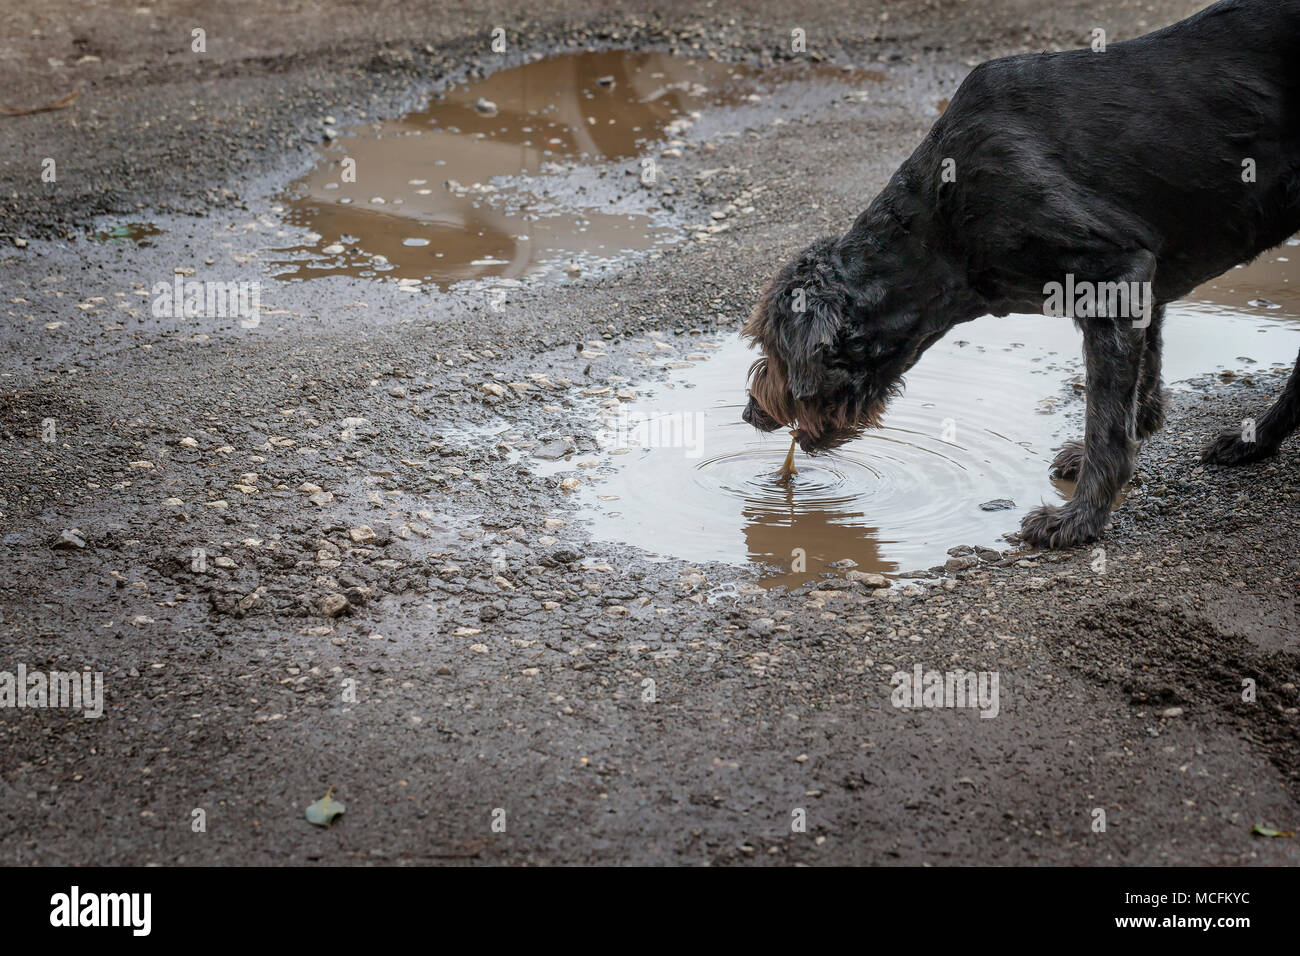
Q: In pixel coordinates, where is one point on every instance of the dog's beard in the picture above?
(820, 425)
(824, 429)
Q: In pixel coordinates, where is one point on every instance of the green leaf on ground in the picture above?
(1269, 831)
(324, 811)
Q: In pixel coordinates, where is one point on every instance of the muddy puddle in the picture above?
(509, 175)
(961, 457)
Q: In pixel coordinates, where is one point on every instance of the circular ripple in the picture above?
(893, 500)
(750, 475)
(896, 474)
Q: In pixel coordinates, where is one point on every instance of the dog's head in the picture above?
(836, 340)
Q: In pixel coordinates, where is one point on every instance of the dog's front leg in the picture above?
(1113, 360)
(1150, 402)
(1150, 397)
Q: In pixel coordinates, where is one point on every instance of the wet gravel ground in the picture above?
(299, 564)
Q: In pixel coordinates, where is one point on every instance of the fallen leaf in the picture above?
(1264, 831)
(56, 105)
(324, 810)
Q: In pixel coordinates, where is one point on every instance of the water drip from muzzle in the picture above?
(788, 470)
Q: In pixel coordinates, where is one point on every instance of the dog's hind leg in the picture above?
(1255, 441)
(1068, 461)
(1114, 350)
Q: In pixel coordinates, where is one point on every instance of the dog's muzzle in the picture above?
(754, 415)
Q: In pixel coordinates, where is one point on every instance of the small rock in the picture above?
(552, 450)
(69, 540)
(332, 605)
(998, 504)
(361, 534)
(1172, 712)
(485, 107)
(868, 579)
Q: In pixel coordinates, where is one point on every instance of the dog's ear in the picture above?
(807, 306)
(813, 319)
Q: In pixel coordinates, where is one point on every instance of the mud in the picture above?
(498, 653)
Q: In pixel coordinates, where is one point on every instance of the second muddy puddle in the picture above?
(961, 456)
(509, 175)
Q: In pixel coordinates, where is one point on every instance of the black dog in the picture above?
(1161, 162)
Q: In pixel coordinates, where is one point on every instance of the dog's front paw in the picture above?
(1230, 449)
(1057, 528)
(1068, 461)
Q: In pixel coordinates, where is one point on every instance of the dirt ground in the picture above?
(497, 663)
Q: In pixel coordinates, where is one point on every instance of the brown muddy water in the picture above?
(502, 177)
(961, 457)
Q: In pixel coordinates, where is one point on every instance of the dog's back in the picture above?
(1185, 142)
